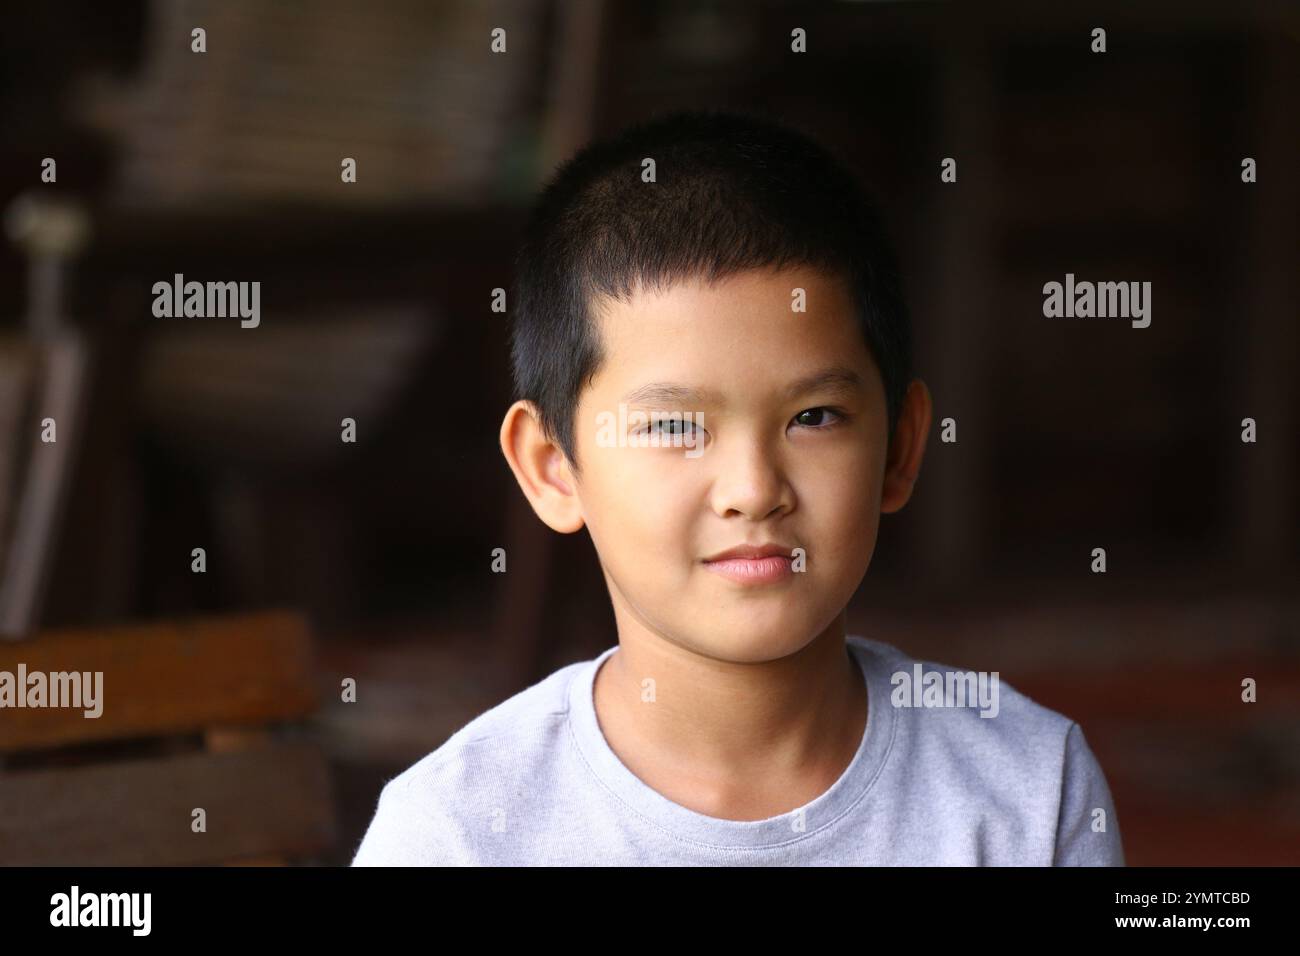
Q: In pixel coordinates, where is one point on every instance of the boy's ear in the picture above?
(907, 448)
(540, 468)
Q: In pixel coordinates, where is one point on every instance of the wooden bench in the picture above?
(200, 713)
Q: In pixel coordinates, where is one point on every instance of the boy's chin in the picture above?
(748, 642)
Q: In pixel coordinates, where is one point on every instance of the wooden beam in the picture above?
(264, 803)
(167, 678)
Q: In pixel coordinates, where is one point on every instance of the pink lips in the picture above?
(753, 570)
(758, 564)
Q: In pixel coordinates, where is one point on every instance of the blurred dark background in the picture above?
(376, 305)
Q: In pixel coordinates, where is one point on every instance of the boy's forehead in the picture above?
(759, 324)
(754, 301)
(759, 284)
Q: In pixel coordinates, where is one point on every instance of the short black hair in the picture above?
(734, 191)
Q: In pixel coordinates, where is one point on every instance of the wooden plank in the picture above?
(167, 678)
(267, 802)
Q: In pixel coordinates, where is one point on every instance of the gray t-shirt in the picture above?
(534, 782)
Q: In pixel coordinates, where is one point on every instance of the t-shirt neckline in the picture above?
(818, 816)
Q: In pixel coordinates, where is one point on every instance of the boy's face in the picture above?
(772, 462)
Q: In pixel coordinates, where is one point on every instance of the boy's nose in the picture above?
(749, 480)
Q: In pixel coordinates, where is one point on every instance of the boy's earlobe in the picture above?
(907, 448)
(540, 468)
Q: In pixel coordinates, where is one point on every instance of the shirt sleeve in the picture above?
(403, 832)
(1085, 837)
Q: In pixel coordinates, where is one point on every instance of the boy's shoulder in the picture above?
(968, 717)
(966, 701)
(1028, 769)
(523, 724)
(918, 682)
(422, 811)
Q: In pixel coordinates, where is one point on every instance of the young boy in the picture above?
(713, 365)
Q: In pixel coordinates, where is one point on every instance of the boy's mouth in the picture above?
(753, 564)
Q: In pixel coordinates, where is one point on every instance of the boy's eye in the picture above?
(667, 426)
(672, 426)
(809, 418)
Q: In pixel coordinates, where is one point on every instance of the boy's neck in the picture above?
(733, 740)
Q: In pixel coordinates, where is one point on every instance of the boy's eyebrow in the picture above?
(839, 377)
